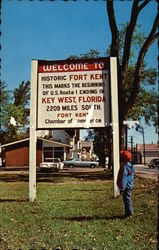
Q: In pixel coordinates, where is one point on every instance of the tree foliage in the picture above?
(125, 104)
(144, 106)
(137, 97)
(92, 54)
(22, 94)
(14, 104)
(4, 104)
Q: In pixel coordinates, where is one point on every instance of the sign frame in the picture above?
(113, 105)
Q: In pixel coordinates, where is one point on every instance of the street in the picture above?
(145, 172)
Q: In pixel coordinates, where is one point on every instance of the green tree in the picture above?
(127, 101)
(4, 107)
(15, 107)
(22, 94)
(21, 101)
(145, 105)
(102, 142)
(88, 55)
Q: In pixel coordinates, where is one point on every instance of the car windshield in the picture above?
(156, 161)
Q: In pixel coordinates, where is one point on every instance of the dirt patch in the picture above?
(85, 175)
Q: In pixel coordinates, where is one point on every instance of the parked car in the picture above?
(73, 163)
(52, 164)
(154, 163)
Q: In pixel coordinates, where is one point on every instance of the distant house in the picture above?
(83, 150)
(86, 150)
(151, 151)
(50, 144)
(16, 154)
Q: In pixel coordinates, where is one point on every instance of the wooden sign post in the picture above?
(33, 138)
(115, 121)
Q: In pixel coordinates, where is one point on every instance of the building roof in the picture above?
(42, 139)
(55, 142)
(14, 142)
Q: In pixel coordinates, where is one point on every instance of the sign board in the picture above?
(73, 94)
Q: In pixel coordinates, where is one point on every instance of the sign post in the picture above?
(33, 139)
(115, 121)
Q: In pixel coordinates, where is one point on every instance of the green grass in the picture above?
(77, 214)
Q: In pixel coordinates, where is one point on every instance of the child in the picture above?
(125, 181)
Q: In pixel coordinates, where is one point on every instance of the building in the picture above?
(16, 154)
(86, 150)
(83, 150)
(63, 144)
(50, 144)
(151, 151)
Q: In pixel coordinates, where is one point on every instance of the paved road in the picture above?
(145, 172)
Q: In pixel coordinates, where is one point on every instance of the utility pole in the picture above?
(144, 144)
(131, 144)
(141, 130)
(132, 148)
(126, 137)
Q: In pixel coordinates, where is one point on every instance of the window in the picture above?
(53, 152)
(59, 153)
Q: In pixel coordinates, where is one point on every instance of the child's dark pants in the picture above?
(127, 199)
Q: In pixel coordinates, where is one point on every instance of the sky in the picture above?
(54, 30)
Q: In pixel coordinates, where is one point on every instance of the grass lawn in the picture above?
(77, 214)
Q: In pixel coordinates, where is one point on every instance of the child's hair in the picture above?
(125, 156)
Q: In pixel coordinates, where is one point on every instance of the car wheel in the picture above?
(71, 166)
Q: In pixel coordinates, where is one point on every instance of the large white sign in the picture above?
(73, 94)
